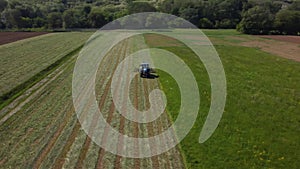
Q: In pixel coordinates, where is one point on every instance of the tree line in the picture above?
(247, 16)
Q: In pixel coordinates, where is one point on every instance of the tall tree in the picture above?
(295, 6)
(288, 21)
(55, 20)
(97, 18)
(228, 13)
(12, 18)
(71, 18)
(3, 5)
(257, 20)
(137, 7)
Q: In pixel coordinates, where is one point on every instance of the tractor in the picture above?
(145, 70)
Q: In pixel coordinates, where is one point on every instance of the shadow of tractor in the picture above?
(150, 76)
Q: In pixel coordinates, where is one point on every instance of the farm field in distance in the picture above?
(8, 37)
(25, 61)
(259, 128)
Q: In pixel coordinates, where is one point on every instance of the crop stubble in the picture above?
(75, 148)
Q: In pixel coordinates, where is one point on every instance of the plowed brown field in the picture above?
(8, 37)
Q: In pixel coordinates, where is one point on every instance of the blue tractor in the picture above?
(145, 70)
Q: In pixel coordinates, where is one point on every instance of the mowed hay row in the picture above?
(139, 95)
(106, 105)
(45, 133)
(82, 151)
(19, 61)
(33, 131)
(86, 154)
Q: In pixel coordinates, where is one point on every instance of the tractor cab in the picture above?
(144, 70)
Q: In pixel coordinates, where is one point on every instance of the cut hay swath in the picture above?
(25, 59)
(51, 134)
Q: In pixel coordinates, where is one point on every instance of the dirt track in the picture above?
(8, 37)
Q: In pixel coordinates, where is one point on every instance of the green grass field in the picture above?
(260, 125)
(259, 128)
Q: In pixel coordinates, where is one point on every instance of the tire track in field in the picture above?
(159, 127)
(88, 140)
(33, 93)
(109, 118)
(28, 99)
(172, 158)
(137, 162)
(118, 159)
(174, 153)
(51, 128)
(150, 127)
(62, 157)
(53, 138)
(72, 137)
(51, 143)
(163, 124)
(104, 139)
(59, 162)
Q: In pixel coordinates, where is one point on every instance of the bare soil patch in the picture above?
(284, 46)
(8, 37)
(292, 39)
(280, 48)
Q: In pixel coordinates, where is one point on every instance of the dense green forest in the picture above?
(247, 16)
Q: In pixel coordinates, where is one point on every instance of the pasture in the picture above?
(261, 119)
